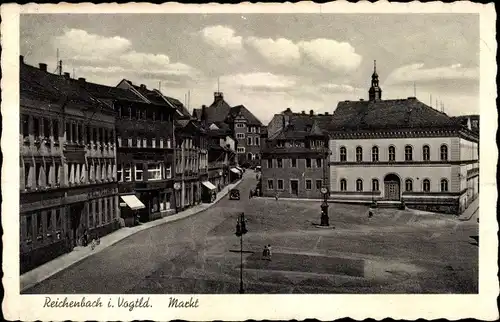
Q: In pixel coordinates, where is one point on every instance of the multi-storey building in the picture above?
(144, 128)
(295, 157)
(402, 150)
(245, 127)
(68, 166)
(191, 164)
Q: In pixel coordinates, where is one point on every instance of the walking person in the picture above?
(251, 194)
(276, 196)
(269, 251)
(264, 253)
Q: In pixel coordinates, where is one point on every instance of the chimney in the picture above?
(143, 86)
(81, 81)
(303, 112)
(361, 100)
(311, 112)
(43, 67)
(67, 75)
(21, 59)
(326, 113)
(412, 98)
(218, 96)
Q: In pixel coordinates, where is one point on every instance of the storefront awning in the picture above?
(234, 170)
(241, 170)
(133, 202)
(209, 185)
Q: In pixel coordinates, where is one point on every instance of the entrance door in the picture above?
(391, 187)
(294, 186)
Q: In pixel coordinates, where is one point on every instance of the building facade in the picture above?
(402, 150)
(68, 166)
(244, 127)
(144, 152)
(295, 158)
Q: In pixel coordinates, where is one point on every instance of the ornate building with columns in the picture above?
(402, 150)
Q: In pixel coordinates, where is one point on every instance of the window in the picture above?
(144, 143)
(280, 184)
(128, 173)
(39, 225)
(240, 135)
(308, 184)
(444, 152)
(359, 185)
(343, 154)
(359, 154)
(138, 142)
(343, 185)
(375, 154)
(50, 227)
(280, 163)
(55, 130)
(293, 163)
(240, 150)
(318, 163)
(25, 125)
(319, 184)
(426, 153)
(240, 125)
(73, 132)
(409, 185)
(426, 185)
(375, 186)
(154, 171)
(47, 175)
(269, 163)
(270, 184)
(46, 127)
(408, 153)
(249, 141)
(444, 185)
(257, 140)
(168, 172)
(308, 163)
(392, 153)
(119, 172)
(38, 169)
(27, 175)
(29, 227)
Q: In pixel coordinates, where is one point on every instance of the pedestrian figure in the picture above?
(265, 253)
(85, 239)
(93, 244)
(251, 194)
(370, 213)
(276, 196)
(98, 241)
(269, 251)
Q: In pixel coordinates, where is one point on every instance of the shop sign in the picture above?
(100, 193)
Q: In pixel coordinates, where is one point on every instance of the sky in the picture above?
(268, 62)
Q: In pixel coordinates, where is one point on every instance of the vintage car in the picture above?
(234, 194)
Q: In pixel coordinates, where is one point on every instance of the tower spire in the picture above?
(375, 92)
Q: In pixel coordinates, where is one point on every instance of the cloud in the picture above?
(77, 42)
(222, 37)
(338, 88)
(417, 73)
(335, 56)
(260, 81)
(112, 56)
(279, 52)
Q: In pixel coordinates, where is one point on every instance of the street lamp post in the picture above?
(325, 220)
(241, 230)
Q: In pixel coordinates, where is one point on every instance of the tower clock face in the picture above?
(324, 190)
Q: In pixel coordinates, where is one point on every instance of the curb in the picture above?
(158, 222)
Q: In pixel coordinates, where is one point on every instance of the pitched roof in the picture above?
(387, 114)
(251, 119)
(38, 83)
(108, 92)
(218, 111)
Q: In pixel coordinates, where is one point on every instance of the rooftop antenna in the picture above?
(218, 84)
(374, 66)
(437, 105)
(159, 86)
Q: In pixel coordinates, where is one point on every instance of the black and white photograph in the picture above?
(183, 154)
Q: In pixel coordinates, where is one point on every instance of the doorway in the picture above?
(294, 187)
(392, 186)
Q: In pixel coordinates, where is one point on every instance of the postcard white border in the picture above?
(242, 307)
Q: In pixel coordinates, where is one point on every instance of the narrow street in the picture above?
(393, 252)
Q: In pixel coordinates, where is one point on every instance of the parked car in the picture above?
(234, 194)
(258, 168)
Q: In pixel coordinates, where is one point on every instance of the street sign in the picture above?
(177, 186)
